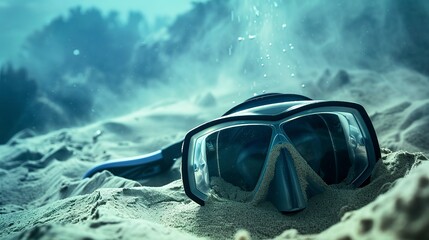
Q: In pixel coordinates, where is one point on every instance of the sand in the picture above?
(43, 195)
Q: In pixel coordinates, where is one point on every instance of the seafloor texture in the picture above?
(43, 195)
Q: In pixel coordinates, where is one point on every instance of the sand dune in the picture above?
(44, 196)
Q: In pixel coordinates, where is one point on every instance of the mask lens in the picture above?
(331, 143)
(235, 155)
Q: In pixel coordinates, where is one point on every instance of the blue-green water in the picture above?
(89, 64)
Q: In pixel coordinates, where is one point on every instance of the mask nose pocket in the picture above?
(285, 190)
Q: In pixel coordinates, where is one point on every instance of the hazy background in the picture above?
(19, 18)
(70, 63)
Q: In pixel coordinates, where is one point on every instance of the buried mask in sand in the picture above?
(280, 148)
(283, 148)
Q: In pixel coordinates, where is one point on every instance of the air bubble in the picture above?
(256, 11)
(251, 37)
(284, 25)
(240, 39)
(76, 52)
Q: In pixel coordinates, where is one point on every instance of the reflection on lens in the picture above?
(240, 154)
(200, 168)
(330, 143)
(236, 155)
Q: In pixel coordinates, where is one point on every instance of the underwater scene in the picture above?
(214, 119)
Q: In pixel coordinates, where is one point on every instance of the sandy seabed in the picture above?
(43, 195)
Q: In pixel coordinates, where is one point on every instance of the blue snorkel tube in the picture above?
(142, 166)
